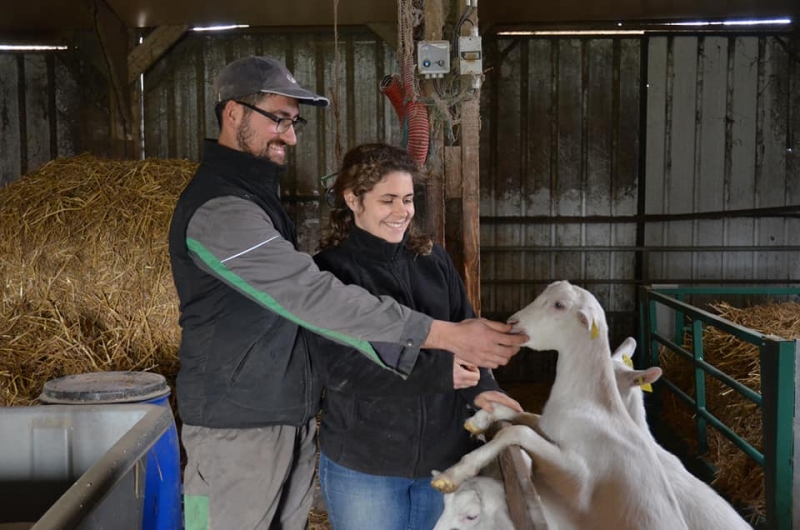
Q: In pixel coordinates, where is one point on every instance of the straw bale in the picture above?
(86, 277)
(737, 477)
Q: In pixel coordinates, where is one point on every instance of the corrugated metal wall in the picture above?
(560, 142)
(50, 104)
(723, 134)
(179, 104)
(591, 147)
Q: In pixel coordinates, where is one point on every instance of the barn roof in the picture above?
(48, 16)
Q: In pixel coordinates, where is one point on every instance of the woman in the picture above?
(382, 436)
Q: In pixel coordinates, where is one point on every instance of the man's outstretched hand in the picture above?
(484, 343)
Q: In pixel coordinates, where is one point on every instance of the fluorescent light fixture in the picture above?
(30, 48)
(763, 22)
(696, 23)
(220, 28)
(574, 32)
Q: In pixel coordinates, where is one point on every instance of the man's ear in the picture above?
(232, 114)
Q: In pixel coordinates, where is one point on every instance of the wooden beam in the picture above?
(524, 502)
(470, 164)
(452, 169)
(471, 188)
(386, 31)
(113, 36)
(434, 190)
(155, 45)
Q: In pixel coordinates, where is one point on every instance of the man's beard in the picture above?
(243, 136)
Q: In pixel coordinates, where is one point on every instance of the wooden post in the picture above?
(452, 205)
(471, 189)
(470, 200)
(524, 502)
(434, 188)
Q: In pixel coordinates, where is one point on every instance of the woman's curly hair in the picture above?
(363, 167)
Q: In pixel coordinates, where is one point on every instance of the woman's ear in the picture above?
(351, 200)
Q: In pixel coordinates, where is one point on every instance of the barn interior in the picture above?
(626, 146)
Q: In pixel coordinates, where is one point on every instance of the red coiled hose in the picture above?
(391, 87)
(412, 114)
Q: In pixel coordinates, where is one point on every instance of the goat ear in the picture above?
(651, 375)
(643, 378)
(626, 349)
(585, 317)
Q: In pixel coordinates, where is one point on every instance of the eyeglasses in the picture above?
(281, 124)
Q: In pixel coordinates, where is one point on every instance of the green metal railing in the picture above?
(776, 399)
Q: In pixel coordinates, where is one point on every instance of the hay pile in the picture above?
(738, 478)
(85, 268)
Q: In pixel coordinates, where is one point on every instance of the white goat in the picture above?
(600, 471)
(479, 504)
(702, 507)
(464, 508)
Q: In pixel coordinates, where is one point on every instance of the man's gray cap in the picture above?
(250, 75)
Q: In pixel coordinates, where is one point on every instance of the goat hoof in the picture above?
(473, 428)
(444, 485)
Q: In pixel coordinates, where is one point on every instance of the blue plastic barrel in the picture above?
(162, 490)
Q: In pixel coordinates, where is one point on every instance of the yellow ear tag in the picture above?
(627, 361)
(595, 331)
(647, 387)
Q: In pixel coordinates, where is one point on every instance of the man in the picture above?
(247, 299)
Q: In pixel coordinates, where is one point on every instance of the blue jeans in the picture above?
(358, 501)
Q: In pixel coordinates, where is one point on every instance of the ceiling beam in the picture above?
(156, 44)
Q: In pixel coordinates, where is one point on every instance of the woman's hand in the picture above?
(465, 375)
(485, 401)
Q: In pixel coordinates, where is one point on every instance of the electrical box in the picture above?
(433, 58)
(470, 56)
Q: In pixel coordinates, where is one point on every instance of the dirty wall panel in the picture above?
(772, 181)
(185, 87)
(392, 128)
(305, 161)
(507, 180)
(792, 227)
(655, 152)
(335, 83)
(740, 177)
(364, 92)
(540, 152)
(300, 190)
(155, 119)
(741, 125)
(10, 140)
(625, 169)
(487, 152)
(214, 59)
(37, 112)
(710, 155)
(569, 184)
(680, 149)
(67, 99)
(597, 154)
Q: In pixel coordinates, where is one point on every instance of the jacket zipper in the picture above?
(308, 376)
